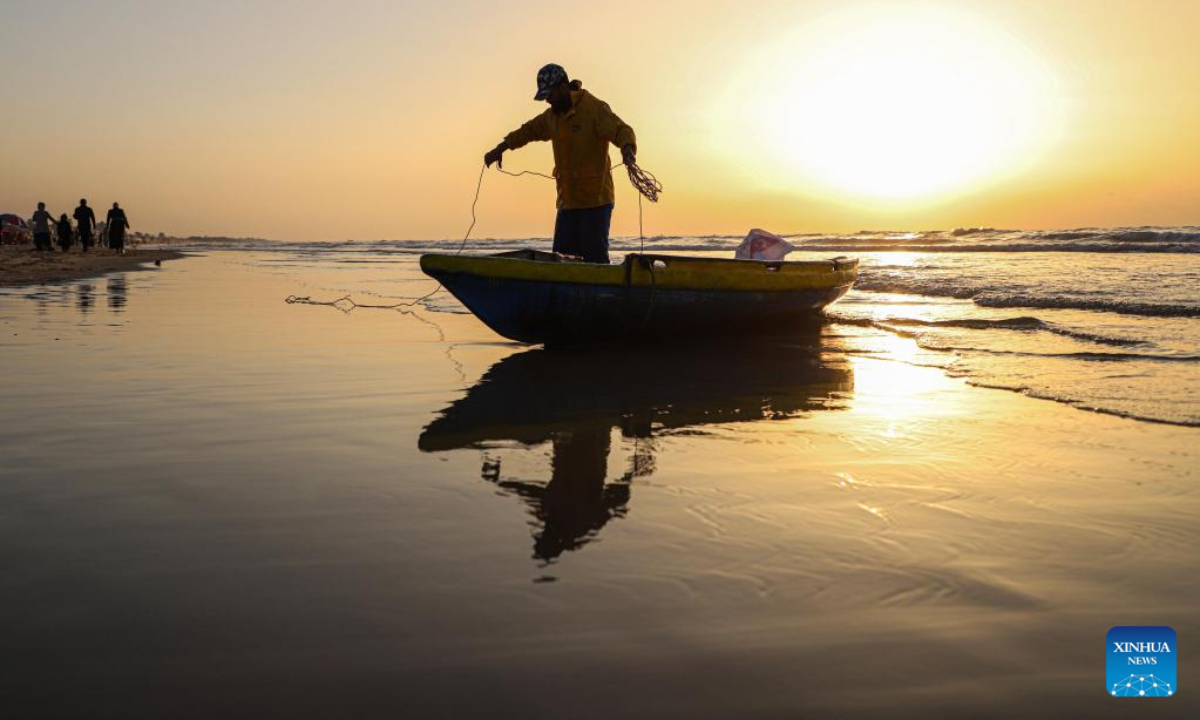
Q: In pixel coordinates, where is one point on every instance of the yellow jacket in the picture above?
(580, 139)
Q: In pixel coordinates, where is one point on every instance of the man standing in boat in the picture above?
(579, 126)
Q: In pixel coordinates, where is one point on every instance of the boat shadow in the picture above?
(573, 400)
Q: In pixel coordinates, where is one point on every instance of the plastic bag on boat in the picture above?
(762, 245)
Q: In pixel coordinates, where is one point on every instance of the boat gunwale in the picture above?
(641, 270)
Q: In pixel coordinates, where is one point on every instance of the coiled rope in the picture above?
(643, 181)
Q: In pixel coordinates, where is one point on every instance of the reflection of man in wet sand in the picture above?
(576, 503)
(535, 397)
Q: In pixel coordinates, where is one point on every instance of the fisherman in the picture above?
(41, 227)
(66, 234)
(580, 126)
(117, 224)
(85, 218)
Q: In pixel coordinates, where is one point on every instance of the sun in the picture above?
(905, 101)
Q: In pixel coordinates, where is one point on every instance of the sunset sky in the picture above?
(368, 119)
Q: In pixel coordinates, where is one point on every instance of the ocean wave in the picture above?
(1025, 323)
(1122, 356)
(912, 327)
(959, 232)
(937, 287)
(1088, 356)
(1080, 404)
(1013, 247)
(1068, 235)
(1122, 235)
(1123, 307)
(992, 375)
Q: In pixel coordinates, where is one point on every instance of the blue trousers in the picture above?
(583, 232)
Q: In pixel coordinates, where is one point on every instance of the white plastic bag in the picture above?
(762, 245)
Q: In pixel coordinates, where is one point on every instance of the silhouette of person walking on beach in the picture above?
(580, 127)
(117, 224)
(85, 218)
(41, 228)
(66, 234)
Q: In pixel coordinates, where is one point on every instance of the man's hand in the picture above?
(495, 155)
(629, 155)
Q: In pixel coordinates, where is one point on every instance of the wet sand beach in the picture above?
(22, 266)
(215, 504)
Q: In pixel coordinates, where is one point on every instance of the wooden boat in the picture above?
(538, 297)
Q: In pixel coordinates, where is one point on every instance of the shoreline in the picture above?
(21, 266)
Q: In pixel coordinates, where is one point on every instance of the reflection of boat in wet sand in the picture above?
(539, 297)
(574, 400)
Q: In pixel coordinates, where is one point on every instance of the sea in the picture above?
(1102, 319)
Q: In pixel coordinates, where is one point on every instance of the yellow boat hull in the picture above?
(539, 298)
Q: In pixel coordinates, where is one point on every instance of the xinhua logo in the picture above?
(1141, 662)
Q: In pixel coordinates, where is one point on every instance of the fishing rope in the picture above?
(347, 303)
(643, 181)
